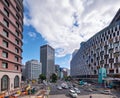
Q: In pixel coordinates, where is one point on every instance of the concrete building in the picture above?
(23, 78)
(47, 58)
(101, 50)
(33, 69)
(64, 72)
(74, 53)
(11, 28)
(57, 70)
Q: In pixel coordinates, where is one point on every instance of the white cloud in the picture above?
(32, 34)
(55, 19)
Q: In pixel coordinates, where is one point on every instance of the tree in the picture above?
(42, 77)
(54, 77)
(68, 78)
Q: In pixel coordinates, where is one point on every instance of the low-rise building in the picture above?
(33, 69)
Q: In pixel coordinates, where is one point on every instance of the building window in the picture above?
(6, 23)
(4, 65)
(114, 34)
(16, 67)
(4, 83)
(5, 43)
(107, 37)
(6, 3)
(117, 32)
(16, 82)
(5, 33)
(17, 9)
(4, 54)
(17, 33)
(110, 36)
(17, 16)
(16, 41)
(17, 24)
(16, 50)
(16, 59)
(117, 71)
(6, 12)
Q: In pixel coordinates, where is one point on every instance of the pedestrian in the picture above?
(90, 96)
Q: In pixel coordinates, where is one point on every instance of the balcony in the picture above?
(106, 46)
(102, 53)
(111, 60)
(106, 65)
(111, 50)
(111, 70)
(110, 40)
(106, 56)
(117, 64)
(102, 62)
(116, 54)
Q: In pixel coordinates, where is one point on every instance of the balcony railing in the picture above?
(111, 50)
(106, 56)
(111, 60)
(116, 54)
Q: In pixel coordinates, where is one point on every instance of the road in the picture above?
(85, 92)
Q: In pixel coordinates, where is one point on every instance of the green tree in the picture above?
(42, 77)
(54, 77)
(67, 78)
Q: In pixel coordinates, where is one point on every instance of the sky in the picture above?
(63, 24)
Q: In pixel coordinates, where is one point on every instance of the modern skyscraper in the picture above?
(47, 58)
(11, 28)
(101, 50)
(33, 69)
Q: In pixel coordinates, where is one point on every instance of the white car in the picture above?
(64, 85)
(108, 92)
(73, 93)
(77, 90)
(59, 87)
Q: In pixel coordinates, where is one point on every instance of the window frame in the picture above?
(4, 83)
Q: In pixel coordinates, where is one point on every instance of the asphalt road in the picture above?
(84, 90)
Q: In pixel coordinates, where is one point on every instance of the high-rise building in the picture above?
(11, 28)
(101, 50)
(33, 69)
(47, 58)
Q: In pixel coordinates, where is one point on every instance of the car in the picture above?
(70, 86)
(59, 87)
(108, 92)
(64, 85)
(72, 93)
(77, 90)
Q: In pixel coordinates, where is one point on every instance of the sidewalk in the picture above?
(80, 96)
(83, 96)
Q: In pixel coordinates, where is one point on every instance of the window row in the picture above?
(6, 23)
(5, 55)
(104, 37)
(5, 65)
(17, 9)
(5, 44)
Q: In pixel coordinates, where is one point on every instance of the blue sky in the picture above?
(63, 24)
(31, 48)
